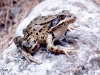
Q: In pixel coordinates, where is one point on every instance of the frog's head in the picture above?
(29, 45)
(64, 18)
(59, 25)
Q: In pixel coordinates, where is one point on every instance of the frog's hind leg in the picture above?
(57, 49)
(20, 42)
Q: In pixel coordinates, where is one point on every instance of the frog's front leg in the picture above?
(57, 49)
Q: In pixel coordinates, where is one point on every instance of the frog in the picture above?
(45, 30)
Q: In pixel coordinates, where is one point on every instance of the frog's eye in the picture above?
(62, 17)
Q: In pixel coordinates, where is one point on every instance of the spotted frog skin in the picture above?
(44, 30)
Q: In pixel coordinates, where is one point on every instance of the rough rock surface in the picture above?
(84, 37)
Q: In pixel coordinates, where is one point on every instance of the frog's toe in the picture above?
(33, 60)
(68, 50)
(29, 57)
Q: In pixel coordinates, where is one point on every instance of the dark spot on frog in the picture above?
(40, 30)
(47, 31)
(42, 37)
(35, 24)
(34, 29)
(43, 33)
(41, 24)
(14, 2)
(44, 27)
(2, 25)
(30, 33)
(12, 16)
(51, 48)
(13, 23)
(36, 33)
(45, 18)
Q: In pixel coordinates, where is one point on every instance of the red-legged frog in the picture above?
(45, 30)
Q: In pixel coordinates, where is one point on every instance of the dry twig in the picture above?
(12, 12)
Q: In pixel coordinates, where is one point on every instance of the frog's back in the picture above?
(39, 22)
(38, 28)
(43, 19)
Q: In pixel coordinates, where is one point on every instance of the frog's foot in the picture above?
(29, 57)
(57, 49)
(72, 28)
(60, 49)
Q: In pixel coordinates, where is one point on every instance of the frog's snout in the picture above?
(74, 17)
